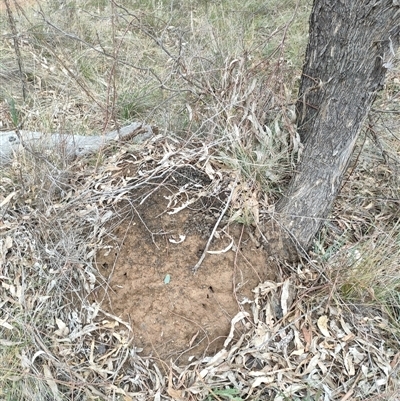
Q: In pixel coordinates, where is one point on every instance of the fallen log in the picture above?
(11, 142)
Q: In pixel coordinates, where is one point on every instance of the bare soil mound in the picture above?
(174, 312)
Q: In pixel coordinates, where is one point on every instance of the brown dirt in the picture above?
(191, 314)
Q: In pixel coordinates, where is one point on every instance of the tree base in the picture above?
(278, 242)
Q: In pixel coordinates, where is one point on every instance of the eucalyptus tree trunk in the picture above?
(352, 43)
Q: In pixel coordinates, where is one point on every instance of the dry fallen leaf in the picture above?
(285, 297)
(174, 241)
(7, 199)
(62, 330)
(307, 334)
(51, 382)
(323, 325)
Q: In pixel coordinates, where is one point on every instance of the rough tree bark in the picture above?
(352, 44)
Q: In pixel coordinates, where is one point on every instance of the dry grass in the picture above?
(219, 79)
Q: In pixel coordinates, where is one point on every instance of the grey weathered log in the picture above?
(352, 44)
(71, 145)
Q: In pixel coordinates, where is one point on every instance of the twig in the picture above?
(203, 255)
(386, 111)
(16, 48)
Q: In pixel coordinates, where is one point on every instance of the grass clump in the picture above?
(187, 67)
(370, 275)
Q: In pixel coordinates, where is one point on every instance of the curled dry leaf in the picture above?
(174, 241)
(323, 325)
(62, 330)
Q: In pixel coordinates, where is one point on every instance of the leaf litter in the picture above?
(291, 342)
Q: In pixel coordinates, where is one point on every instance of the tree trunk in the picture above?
(351, 46)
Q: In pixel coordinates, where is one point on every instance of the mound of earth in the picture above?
(174, 312)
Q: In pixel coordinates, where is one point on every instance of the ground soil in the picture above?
(190, 315)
